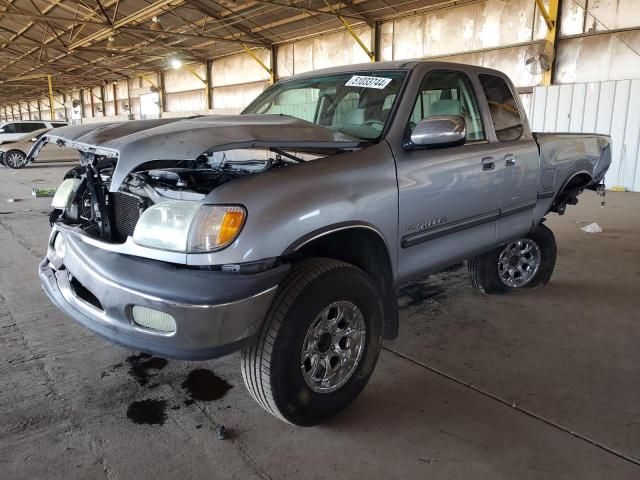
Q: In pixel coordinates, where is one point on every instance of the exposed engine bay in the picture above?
(112, 216)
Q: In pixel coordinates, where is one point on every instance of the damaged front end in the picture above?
(147, 181)
(127, 219)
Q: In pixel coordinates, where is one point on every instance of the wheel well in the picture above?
(16, 150)
(568, 194)
(579, 180)
(366, 250)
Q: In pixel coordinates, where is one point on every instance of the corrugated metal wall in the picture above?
(611, 107)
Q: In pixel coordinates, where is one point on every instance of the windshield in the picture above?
(356, 104)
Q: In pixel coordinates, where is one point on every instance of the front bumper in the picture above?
(216, 313)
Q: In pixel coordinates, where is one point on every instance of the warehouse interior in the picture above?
(535, 385)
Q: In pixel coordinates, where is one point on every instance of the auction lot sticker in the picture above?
(368, 82)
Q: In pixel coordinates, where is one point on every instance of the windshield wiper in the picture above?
(287, 155)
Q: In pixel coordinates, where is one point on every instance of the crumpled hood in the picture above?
(136, 142)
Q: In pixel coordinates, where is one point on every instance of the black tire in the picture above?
(485, 276)
(15, 159)
(272, 367)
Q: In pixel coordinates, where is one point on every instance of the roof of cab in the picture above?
(409, 64)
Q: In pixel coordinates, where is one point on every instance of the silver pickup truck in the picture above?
(285, 231)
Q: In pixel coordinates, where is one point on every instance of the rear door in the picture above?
(516, 156)
(448, 197)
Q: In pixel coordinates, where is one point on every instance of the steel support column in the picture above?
(115, 98)
(102, 103)
(82, 105)
(274, 63)
(163, 93)
(209, 84)
(551, 19)
(129, 100)
(50, 97)
(376, 42)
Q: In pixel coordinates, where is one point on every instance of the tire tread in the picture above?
(256, 359)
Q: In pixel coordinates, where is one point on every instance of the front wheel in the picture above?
(524, 263)
(15, 159)
(318, 345)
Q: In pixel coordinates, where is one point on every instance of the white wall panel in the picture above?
(33, 105)
(183, 80)
(578, 101)
(236, 96)
(285, 60)
(186, 101)
(109, 109)
(240, 68)
(596, 107)
(323, 52)
(563, 114)
(598, 58)
(121, 89)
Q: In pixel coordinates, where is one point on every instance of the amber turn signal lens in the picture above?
(231, 225)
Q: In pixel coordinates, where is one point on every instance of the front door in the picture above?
(449, 198)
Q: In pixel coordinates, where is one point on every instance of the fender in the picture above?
(329, 229)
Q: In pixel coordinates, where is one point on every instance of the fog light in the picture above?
(153, 319)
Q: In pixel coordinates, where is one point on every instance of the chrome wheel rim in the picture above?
(519, 262)
(14, 160)
(333, 347)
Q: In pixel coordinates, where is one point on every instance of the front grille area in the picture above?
(124, 211)
(84, 294)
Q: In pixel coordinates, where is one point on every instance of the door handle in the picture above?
(488, 163)
(509, 160)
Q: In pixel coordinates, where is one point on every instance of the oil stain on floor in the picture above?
(205, 386)
(141, 365)
(149, 412)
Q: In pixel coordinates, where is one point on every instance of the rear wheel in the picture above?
(524, 263)
(318, 345)
(15, 159)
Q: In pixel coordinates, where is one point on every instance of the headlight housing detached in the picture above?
(189, 227)
(65, 193)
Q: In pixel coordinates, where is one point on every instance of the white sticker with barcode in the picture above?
(368, 82)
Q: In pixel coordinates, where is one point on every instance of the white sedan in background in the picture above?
(14, 155)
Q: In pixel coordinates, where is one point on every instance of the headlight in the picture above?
(65, 193)
(189, 227)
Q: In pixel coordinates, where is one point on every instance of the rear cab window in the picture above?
(507, 120)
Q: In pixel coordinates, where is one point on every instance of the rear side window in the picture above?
(503, 107)
(58, 124)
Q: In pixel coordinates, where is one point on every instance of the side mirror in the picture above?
(439, 131)
(1, 130)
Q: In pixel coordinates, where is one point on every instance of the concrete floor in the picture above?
(541, 385)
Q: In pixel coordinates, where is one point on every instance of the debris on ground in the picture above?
(12, 200)
(592, 228)
(43, 192)
(221, 433)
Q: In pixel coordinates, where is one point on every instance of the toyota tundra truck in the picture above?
(284, 232)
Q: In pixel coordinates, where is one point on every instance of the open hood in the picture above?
(134, 143)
